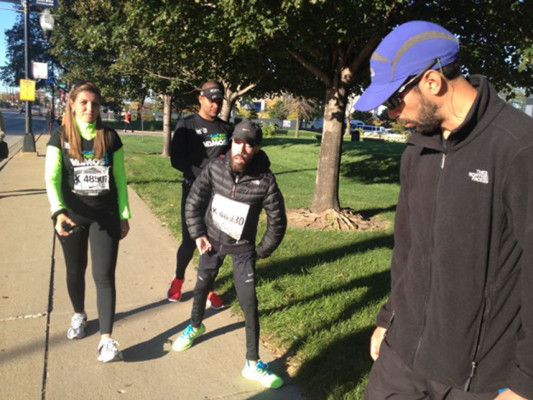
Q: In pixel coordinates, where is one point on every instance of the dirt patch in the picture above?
(344, 220)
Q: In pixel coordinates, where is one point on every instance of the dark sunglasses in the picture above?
(395, 100)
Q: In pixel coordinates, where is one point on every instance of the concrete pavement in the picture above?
(37, 361)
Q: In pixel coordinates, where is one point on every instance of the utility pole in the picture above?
(28, 145)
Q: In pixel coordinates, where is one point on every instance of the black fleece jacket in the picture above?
(256, 188)
(461, 306)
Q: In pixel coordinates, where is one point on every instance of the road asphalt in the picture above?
(37, 361)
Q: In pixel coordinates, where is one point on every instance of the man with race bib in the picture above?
(222, 214)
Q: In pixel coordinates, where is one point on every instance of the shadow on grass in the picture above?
(294, 171)
(374, 168)
(371, 212)
(302, 263)
(378, 162)
(134, 181)
(341, 366)
(288, 142)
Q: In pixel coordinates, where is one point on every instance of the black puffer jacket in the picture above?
(226, 207)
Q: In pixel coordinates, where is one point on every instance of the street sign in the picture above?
(46, 3)
(27, 90)
(40, 70)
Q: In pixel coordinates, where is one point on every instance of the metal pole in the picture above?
(28, 145)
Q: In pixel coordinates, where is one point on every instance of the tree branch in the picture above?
(170, 78)
(363, 56)
(324, 77)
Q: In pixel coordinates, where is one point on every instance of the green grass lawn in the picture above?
(320, 291)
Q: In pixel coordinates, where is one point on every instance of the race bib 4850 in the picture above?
(91, 180)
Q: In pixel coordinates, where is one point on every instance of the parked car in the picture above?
(373, 129)
(36, 110)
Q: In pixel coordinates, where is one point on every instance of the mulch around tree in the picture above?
(344, 220)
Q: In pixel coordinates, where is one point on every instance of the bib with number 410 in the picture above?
(229, 215)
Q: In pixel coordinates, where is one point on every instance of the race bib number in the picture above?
(91, 180)
(229, 215)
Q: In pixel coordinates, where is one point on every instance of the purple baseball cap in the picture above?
(405, 52)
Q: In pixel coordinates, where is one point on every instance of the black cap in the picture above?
(212, 93)
(249, 132)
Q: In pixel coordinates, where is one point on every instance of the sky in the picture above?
(7, 19)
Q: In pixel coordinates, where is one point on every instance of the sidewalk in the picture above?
(37, 361)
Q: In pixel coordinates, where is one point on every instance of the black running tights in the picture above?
(186, 250)
(244, 280)
(103, 234)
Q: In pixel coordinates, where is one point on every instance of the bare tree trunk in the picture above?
(140, 114)
(347, 127)
(230, 97)
(167, 109)
(227, 105)
(326, 195)
(348, 112)
(297, 130)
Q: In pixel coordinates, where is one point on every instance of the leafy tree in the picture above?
(253, 113)
(278, 110)
(301, 107)
(364, 116)
(338, 52)
(14, 70)
(384, 117)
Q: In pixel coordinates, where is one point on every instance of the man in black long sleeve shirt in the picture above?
(197, 139)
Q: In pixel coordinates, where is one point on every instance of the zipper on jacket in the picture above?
(391, 319)
(233, 188)
(479, 337)
(445, 147)
(472, 373)
(426, 298)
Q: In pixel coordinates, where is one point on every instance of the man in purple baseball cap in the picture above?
(458, 323)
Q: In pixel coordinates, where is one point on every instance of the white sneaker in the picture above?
(108, 351)
(77, 326)
(259, 372)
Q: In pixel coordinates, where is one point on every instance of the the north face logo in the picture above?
(479, 176)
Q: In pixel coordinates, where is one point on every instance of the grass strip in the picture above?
(320, 291)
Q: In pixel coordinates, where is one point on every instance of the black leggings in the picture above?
(244, 280)
(103, 233)
(187, 246)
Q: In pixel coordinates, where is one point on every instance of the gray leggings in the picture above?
(103, 233)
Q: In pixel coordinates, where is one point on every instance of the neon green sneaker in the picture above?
(185, 340)
(260, 373)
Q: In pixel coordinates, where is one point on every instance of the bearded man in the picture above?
(458, 324)
(222, 214)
